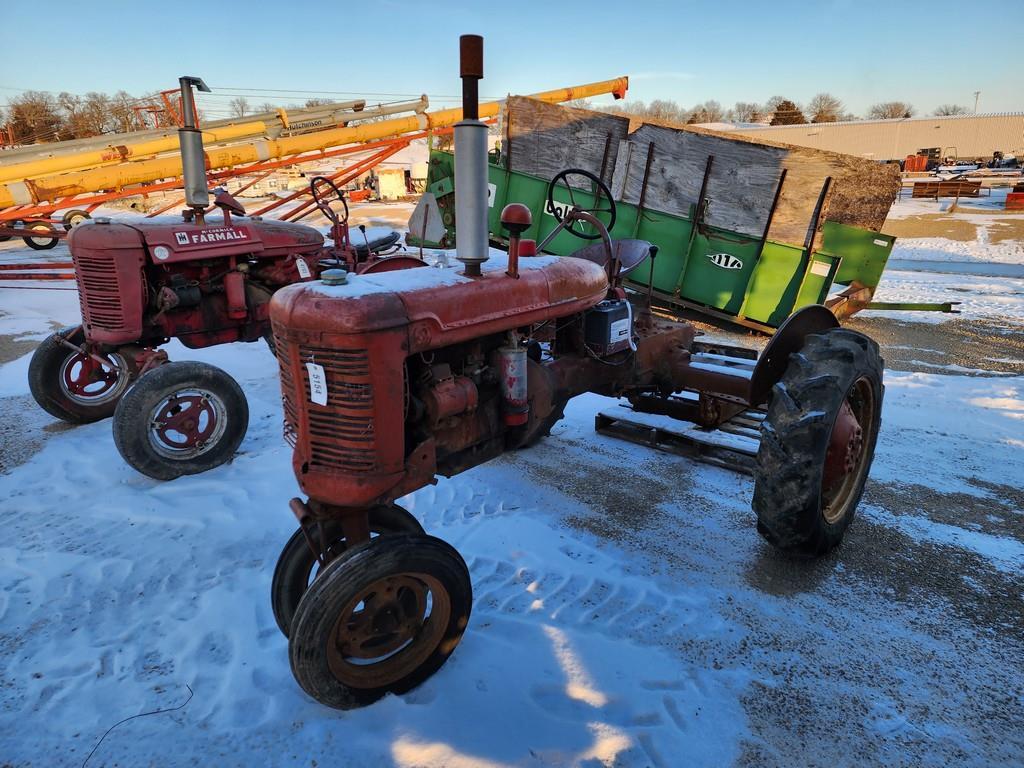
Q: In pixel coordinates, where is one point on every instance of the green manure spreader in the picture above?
(746, 231)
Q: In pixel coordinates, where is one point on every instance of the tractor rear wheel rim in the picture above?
(84, 381)
(388, 630)
(846, 460)
(187, 423)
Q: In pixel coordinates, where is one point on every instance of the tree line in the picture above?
(38, 116)
(778, 110)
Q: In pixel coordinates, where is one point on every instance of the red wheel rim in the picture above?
(846, 460)
(187, 423)
(85, 380)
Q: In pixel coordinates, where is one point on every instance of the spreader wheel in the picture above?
(383, 617)
(818, 441)
(73, 385)
(180, 419)
(298, 566)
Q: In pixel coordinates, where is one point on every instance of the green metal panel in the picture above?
(864, 253)
(718, 270)
(775, 283)
(724, 271)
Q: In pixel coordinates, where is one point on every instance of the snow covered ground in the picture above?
(625, 610)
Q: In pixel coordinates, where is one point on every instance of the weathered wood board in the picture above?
(543, 139)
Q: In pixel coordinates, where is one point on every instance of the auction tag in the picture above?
(303, 268)
(317, 384)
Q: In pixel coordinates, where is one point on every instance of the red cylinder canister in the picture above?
(512, 372)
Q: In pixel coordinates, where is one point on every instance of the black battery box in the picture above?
(608, 327)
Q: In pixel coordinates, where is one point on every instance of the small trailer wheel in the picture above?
(74, 386)
(40, 241)
(180, 419)
(74, 217)
(818, 441)
(382, 618)
(297, 566)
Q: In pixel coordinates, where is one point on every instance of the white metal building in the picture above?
(964, 136)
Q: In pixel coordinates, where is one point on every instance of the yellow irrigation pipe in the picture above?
(50, 188)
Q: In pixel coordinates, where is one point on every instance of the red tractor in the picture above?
(390, 380)
(142, 284)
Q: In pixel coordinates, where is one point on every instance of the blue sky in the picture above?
(864, 52)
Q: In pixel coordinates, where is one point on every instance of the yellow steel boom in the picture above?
(49, 188)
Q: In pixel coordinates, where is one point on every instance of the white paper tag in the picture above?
(492, 190)
(620, 330)
(882, 243)
(317, 384)
(303, 268)
(819, 268)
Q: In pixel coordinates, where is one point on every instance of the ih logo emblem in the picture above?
(181, 237)
(725, 261)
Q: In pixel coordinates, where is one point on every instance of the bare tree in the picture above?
(239, 106)
(708, 112)
(945, 110)
(825, 108)
(579, 104)
(317, 102)
(35, 116)
(787, 112)
(266, 106)
(747, 112)
(889, 110)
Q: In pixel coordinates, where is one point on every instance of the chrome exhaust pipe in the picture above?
(471, 239)
(190, 140)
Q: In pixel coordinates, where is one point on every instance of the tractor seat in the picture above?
(631, 253)
(375, 244)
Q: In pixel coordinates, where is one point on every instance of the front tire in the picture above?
(297, 566)
(72, 386)
(180, 419)
(382, 618)
(818, 442)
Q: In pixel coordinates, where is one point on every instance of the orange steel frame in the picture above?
(385, 149)
(35, 212)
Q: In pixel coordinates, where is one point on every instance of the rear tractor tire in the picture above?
(381, 618)
(74, 386)
(297, 566)
(180, 419)
(818, 442)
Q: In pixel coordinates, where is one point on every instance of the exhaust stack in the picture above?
(471, 241)
(190, 139)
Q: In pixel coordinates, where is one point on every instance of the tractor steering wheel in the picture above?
(560, 210)
(323, 200)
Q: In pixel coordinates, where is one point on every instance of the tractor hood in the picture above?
(442, 306)
(182, 241)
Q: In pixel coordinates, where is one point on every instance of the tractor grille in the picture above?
(281, 349)
(99, 293)
(341, 433)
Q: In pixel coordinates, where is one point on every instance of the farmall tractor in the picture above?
(390, 380)
(202, 282)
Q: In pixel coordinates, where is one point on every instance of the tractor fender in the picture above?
(771, 365)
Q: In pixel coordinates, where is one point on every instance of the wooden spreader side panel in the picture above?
(542, 139)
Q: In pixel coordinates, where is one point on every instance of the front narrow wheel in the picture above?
(818, 441)
(74, 383)
(298, 566)
(180, 419)
(383, 617)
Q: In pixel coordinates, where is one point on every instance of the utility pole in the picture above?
(976, 95)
